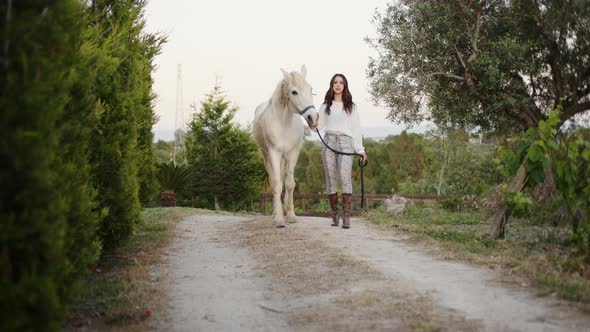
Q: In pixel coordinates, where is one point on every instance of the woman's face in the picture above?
(338, 85)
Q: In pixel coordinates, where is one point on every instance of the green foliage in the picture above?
(568, 156)
(541, 141)
(510, 158)
(518, 201)
(49, 216)
(76, 111)
(411, 164)
(400, 158)
(123, 164)
(163, 151)
(309, 174)
(451, 165)
(173, 177)
(451, 204)
(495, 65)
(148, 47)
(224, 159)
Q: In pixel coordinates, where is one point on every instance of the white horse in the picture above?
(278, 130)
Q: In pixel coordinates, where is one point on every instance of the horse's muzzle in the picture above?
(312, 120)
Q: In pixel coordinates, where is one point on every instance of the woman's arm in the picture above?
(323, 118)
(357, 135)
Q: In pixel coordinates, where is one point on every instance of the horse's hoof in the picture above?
(279, 223)
(291, 220)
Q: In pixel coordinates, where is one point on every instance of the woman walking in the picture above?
(340, 120)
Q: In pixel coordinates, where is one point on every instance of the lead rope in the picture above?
(361, 165)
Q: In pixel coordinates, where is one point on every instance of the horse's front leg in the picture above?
(276, 183)
(290, 184)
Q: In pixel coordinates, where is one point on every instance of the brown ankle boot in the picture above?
(346, 205)
(334, 205)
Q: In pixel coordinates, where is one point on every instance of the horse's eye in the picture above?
(294, 93)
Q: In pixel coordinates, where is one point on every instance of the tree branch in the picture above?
(447, 75)
(580, 92)
(459, 57)
(533, 85)
(569, 112)
(554, 55)
(475, 37)
(564, 23)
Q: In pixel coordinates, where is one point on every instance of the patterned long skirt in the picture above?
(338, 167)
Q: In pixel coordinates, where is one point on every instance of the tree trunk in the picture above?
(215, 200)
(168, 198)
(502, 216)
(216, 203)
(446, 161)
(545, 191)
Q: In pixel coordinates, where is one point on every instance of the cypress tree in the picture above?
(227, 168)
(49, 218)
(148, 184)
(122, 157)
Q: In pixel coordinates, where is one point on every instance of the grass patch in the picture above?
(542, 255)
(459, 232)
(124, 289)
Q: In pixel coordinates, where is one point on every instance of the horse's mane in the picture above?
(281, 93)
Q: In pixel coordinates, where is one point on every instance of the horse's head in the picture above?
(298, 96)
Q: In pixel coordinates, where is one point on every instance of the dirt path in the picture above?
(231, 273)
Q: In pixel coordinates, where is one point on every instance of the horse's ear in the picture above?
(285, 74)
(303, 71)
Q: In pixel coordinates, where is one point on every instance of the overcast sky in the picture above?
(245, 43)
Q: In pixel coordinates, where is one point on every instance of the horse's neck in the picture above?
(280, 111)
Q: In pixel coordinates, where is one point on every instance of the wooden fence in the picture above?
(266, 198)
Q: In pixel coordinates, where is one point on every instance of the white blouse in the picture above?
(340, 122)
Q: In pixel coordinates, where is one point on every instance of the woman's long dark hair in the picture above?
(346, 96)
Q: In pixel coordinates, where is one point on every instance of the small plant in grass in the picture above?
(519, 202)
(323, 206)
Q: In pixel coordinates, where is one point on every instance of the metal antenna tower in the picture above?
(179, 119)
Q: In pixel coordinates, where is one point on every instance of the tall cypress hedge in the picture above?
(76, 115)
(48, 213)
(122, 159)
(148, 184)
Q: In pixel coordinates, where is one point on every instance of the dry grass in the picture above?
(531, 254)
(125, 287)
